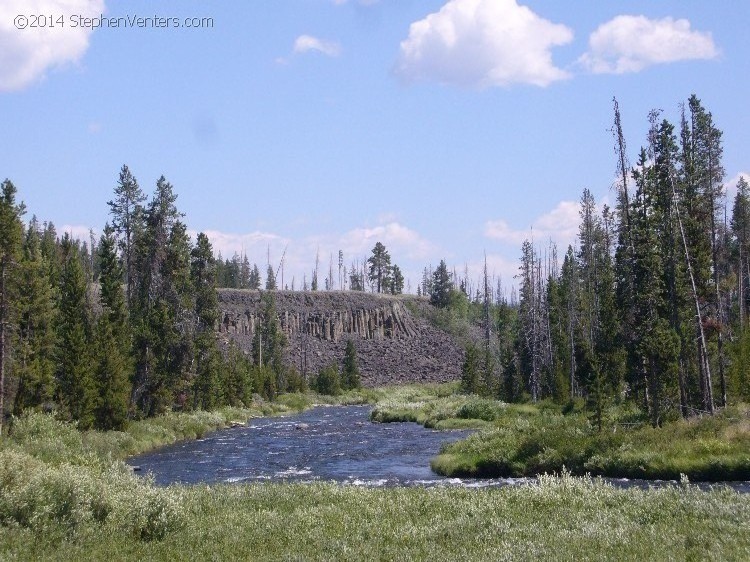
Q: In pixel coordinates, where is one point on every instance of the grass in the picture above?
(65, 495)
(531, 439)
(562, 518)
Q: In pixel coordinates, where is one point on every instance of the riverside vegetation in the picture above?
(66, 494)
(530, 439)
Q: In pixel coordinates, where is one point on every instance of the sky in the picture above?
(445, 129)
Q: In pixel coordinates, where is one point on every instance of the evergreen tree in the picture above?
(157, 311)
(245, 273)
(380, 268)
(254, 279)
(11, 234)
(269, 343)
(127, 221)
(112, 341)
(397, 281)
(470, 371)
(356, 281)
(207, 387)
(328, 381)
(441, 287)
(350, 376)
(76, 387)
(741, 231)
(34, 362)
(270, 279)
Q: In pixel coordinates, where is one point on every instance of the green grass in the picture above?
(526, 444)
(66, 495)
(531, 439)
(563, 518)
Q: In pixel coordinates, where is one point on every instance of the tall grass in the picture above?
(557, 518)
(531, 439)
(65, 495)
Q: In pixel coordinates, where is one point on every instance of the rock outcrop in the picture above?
(393, 345)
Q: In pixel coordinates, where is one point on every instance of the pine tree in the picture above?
(470, 371)
(127, 220)
(270, 279)
(356, 282)
(158, 296)
(397, 281)
(380, 268)
(112, 341)
(350, 375)
(741, 230)
(328, 381)
(441, 286)
(244, 273)
(254, 279)
(206, 389)
(34, 361)
(269, 343)
(76, 387)
(11, 233)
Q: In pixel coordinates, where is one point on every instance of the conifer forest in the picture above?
(650, 305)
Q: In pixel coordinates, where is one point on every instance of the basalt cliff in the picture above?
(393, 344)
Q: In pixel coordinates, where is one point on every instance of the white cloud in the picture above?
(306, 43)
(252, 243)
(482, 43)
(27, 54)
(730, 188)
(632, 43)
(407, 248)
(78, 232)
(559, 225)
(400, 240)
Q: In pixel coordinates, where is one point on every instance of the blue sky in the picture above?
(445, 129)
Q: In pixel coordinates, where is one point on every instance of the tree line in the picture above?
(124, 326)
(375, 273)
(652, 303)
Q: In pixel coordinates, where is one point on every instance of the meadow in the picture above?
(67, 495)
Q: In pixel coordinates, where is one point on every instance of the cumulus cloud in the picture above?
(559, 225)
(408, 249)
(27, 54)
(306, 43)
(482, 43)
(730, 187)
(78, 232)
(399, 239)
(252, 243)
(632, 43)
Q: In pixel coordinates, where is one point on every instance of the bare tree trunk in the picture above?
(708, 400)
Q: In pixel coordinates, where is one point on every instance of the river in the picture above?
(337, 444)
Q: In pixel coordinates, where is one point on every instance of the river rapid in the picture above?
(338, 444)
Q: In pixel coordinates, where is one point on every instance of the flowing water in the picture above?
(322, 444)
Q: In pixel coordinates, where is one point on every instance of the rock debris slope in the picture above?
(393, 345)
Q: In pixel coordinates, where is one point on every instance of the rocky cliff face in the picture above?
(393, 346)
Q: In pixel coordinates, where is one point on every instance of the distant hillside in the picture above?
(393, 345)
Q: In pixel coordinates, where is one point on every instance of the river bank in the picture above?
(517, 440)
(66, 495)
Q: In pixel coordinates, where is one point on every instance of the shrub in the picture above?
(328, 381)
(486, 410)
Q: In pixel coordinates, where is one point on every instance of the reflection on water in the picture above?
(323, 444)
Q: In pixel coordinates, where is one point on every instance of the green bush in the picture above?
(328, 381)
(479, 409)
